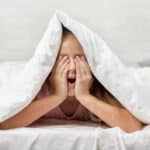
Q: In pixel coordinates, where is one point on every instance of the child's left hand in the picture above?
(84, 77)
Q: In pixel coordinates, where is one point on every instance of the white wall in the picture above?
(124, 24)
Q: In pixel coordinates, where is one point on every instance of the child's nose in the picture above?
(71, 64)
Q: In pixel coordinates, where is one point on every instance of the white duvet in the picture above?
(21, 81)
(73, 135)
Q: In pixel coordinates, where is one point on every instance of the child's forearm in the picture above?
(32, 112)
(111, 115)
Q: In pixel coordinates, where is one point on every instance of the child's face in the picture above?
(71, 47)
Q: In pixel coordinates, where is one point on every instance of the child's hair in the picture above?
(65, 31)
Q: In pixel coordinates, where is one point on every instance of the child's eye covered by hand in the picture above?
(81, 58)
(75, 59)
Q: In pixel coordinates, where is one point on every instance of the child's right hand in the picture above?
(58, 78)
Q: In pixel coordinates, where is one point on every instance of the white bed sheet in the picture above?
(72, 135)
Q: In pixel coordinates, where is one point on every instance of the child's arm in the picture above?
(32, 112)
(111, 115)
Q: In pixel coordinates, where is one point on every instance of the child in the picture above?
(72, 92)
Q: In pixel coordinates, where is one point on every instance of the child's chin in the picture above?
(71, 93)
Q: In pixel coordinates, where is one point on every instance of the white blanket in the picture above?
(73, 135)
(20, 82)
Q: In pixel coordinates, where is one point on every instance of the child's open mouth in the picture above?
(71, 82)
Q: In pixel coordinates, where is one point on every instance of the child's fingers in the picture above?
(64, 72)
(62, 68)
(81, 67)
(60, 63)
(85, 63)
(62, 60)
(78, 73)
(84, 66)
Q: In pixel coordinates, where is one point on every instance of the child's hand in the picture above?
(84, 77)
(58, 78)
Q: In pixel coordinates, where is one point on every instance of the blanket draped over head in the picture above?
(129, 85)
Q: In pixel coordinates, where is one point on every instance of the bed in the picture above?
(72, 135)
(23, 80)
